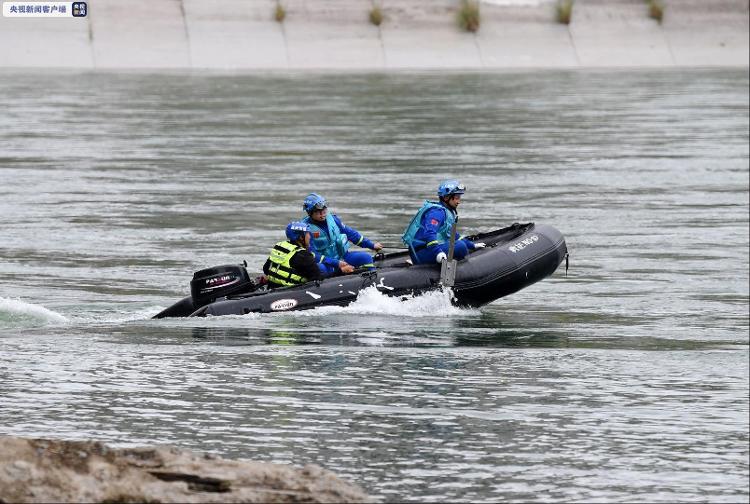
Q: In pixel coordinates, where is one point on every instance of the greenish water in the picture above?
(627, 380)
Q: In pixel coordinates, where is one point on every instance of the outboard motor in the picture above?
(211, 283)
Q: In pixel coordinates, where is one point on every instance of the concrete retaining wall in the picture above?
(707, 32)
(229, 34)
(415, 34)
(618, 34)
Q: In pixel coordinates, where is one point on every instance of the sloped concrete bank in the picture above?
(243, 35)
(44, 470)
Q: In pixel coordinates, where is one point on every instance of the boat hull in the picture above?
(515, 257)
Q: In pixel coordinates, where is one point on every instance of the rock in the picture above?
(45, 470)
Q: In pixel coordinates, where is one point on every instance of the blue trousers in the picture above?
(428, 255)
(356, 259)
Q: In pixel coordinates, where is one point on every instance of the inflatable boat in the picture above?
(515, 257)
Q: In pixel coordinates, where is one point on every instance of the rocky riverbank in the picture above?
(45, 470)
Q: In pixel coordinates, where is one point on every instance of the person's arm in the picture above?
(355, 236)
(469, 244)
(305, 264)
(328, 261)
(266, 266)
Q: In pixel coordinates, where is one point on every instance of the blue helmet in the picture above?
(451, 187)
(314, 202)
(296, 230)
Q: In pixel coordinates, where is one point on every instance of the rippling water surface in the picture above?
(625, 380)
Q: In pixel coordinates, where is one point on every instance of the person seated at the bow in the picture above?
(330, 239)
(428, 233)
(290, 262)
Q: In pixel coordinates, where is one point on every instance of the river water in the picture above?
(625, 380)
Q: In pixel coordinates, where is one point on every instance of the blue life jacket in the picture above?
(327, 242)
(443, 234)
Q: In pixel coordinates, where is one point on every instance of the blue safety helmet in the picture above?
(451, 187)
(296, 230)
(314, 202)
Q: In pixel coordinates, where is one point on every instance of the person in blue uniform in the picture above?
(331, 239)
(428, 233)
(290, 262)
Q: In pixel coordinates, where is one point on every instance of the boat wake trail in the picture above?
(17, 313)
(114, 315)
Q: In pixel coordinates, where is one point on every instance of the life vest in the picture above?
(443, 234)
(280, 270)
(329, 243)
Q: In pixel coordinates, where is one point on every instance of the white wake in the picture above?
(14, 312)
(371, 301)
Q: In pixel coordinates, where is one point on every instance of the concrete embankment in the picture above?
(45, 470)
(415, 34)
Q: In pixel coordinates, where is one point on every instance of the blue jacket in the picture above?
(431, 230)
(326, 245)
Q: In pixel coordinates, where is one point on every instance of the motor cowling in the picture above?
(210, 284)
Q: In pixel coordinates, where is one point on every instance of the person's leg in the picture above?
(359, 260)
(429, 254)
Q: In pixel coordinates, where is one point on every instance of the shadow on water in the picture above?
(488, 337)
(548, 339)
(575, 330)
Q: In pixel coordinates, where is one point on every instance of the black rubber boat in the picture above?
(515, 257)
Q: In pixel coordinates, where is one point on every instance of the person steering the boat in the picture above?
(290, 262)
(331, 238)
(428, 233)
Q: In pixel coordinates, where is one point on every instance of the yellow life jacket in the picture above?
(280, 271)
